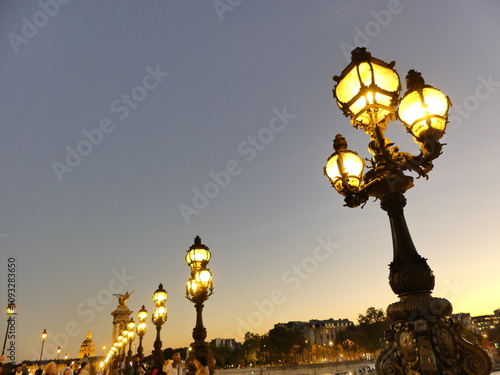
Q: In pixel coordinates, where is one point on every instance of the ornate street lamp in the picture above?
(124, 338)
(44, 336)
(119, 346)
(142, 315)
(116, 348)
(11, 310)
(423, 338)
(58, 352)
(198, 288)
(130, 337)
(159, 317)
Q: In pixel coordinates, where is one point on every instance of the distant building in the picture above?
(319, 332)
(87, 349)
(485, 322)
(228, 343)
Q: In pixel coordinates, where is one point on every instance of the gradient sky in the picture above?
(207, 78)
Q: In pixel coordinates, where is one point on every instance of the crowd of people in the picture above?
(175, 366)
(49, 369)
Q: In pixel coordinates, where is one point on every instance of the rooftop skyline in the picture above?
(130, 128)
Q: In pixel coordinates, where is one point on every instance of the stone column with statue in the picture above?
(121, 316)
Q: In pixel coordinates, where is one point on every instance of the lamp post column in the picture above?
(140, 350)
(157, 352)
(142, 315)
(11, 310)
(199, 287)
(44, 336)
(199, 332)
(423, 332)
(6, 334)
(159, 317)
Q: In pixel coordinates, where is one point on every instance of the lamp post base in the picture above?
(424, 340)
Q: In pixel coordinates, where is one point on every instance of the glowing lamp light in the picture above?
(131, 325)
(204, 278)
(159, 315)
(344, 168)
(141, 328)
(11, 309)
(44, 334)
(192, 287)
(367, 90)
(423, 109)
(198, 254)
(160, 296)
(142, 314)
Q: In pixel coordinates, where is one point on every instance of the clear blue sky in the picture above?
(117, 115)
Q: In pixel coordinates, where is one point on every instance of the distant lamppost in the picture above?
(44, 336)
(423, 339)
(103, 349)
(124, 344)
(116, 348)
(11, 310)
(159, 317)
(58, 352)
(142, 315)
(131, 336)
(66, 356)
(119, 346)
(198, 288)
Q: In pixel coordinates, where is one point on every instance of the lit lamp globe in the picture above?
(198, 254)
(159, 315)
(423, 109)
(160, 296)
(204, 279)
(367, 90)
(131, 326)
(344, 168)
(192, 287)
(125, 336)
(11, 310)
(44, 334)
(131, 335)
(142, 314)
